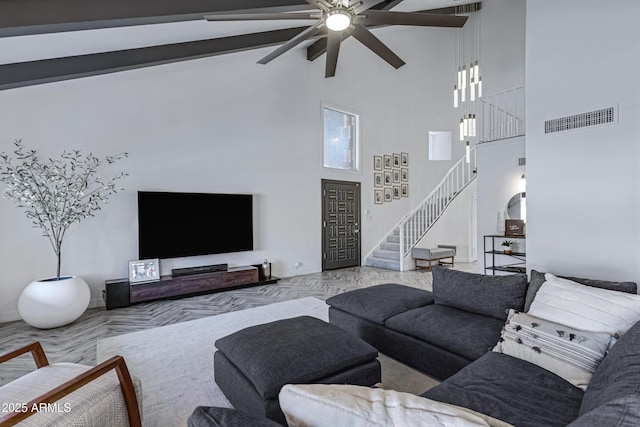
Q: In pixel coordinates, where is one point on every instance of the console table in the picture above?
(120, 293)
(518, 260)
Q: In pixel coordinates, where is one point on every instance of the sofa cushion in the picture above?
(537, 279)
(466, 334)
(477, 293)
(380, 302)
(511, 390)
(321, 405)
(209, 416)
(618, 375)
(584, 307)
(301, 349)
(569, 353)
(623, 411)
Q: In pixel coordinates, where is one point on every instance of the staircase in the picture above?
(391, 252)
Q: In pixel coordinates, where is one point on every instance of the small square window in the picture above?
(340, 139)
(439, 145)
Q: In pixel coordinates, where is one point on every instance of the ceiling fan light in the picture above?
(338, 20)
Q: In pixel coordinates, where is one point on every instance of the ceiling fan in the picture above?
(338, 19)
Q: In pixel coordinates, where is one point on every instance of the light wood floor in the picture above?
(77, 342)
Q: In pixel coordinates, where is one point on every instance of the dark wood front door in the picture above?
(340, 224)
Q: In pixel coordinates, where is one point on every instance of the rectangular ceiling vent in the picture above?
(592, 118)
(522, 161)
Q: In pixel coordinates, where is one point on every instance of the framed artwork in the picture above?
(396, 176)
(404, 174)
(404, 159)
(404, 190)
(388, 178)
(388, 194)
(387, 161)
(396, 160)
(144, 270)
(378, 197)
(378, 179)
(396, 191)
(377, 163)
(514, 228)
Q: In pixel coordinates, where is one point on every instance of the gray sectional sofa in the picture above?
(449, 333)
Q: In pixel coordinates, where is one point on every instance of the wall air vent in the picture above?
(592, 118)
(522, 161)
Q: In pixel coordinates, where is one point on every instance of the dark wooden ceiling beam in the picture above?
(23, 17)
(58, 69)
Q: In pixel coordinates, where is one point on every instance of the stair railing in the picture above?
(417, 223)
(502, 115)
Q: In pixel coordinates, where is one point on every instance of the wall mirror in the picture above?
(516, 208)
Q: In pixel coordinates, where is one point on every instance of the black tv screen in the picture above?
(172, 225)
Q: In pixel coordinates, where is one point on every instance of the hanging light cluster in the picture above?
(467, 86)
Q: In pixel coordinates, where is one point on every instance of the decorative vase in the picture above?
(51, 303)
(266, 269)
(508, 251)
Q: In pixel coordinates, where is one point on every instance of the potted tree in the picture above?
(507, 246)
(54, 194)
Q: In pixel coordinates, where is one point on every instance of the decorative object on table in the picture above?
(507, 246)
(54, 194)
(144, 270)
(266, 269)
(514, 228)
(500, 224)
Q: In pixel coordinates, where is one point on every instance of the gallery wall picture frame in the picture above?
(404, 190)
(396, 191)
(404, 159)
(388, 194)
(378, 197)
(388, 178)
(388, 161)
(396, 160)
(404, 174)
(144, 270)
(377, 163)
(378, 179)
(396, 176)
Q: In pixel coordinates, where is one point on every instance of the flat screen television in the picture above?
(172, 225)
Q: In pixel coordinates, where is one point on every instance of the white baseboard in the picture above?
(12, 316)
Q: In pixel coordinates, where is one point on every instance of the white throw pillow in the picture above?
(584, 307)
(571, 354)
(331, 405)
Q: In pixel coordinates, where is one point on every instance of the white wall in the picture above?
(583, 185)
(225, 124)
(499, 178)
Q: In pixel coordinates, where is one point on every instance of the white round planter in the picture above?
(51, 303)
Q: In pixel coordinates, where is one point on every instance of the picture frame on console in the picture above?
(144, 270)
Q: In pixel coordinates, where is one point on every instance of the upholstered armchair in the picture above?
(63, 394)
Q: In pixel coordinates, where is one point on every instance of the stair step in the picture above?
(383, 263)
(394, 239)
(386, 246)
(392, 255)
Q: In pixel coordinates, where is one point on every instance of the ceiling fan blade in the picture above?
(257, 16)
(382, 17)
(309, 32)
(334, 38)
(366, 5)
(367, 38)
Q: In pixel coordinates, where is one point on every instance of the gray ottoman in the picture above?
(253, 364)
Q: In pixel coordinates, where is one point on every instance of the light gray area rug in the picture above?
(175, 362)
